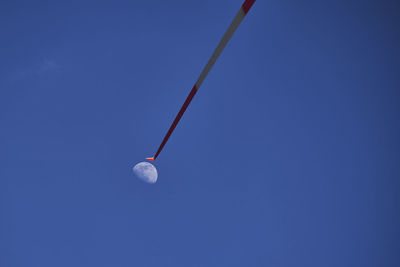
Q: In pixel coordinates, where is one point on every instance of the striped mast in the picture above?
(221, 45)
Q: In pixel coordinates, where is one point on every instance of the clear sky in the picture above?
(287, 156)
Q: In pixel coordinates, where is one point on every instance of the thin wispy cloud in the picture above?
(46, 65)
(43, 67)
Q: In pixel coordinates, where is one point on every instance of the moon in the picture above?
(146, 172)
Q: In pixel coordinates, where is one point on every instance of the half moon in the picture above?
(146, 172)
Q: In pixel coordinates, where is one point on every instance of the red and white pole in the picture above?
(244, 9)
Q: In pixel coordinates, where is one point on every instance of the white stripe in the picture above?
(227, 36)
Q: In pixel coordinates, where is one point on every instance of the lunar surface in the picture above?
(146, 172)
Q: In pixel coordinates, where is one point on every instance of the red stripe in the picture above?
(178, 117)
(247, 5)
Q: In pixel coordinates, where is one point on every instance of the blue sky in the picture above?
(287, 156)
